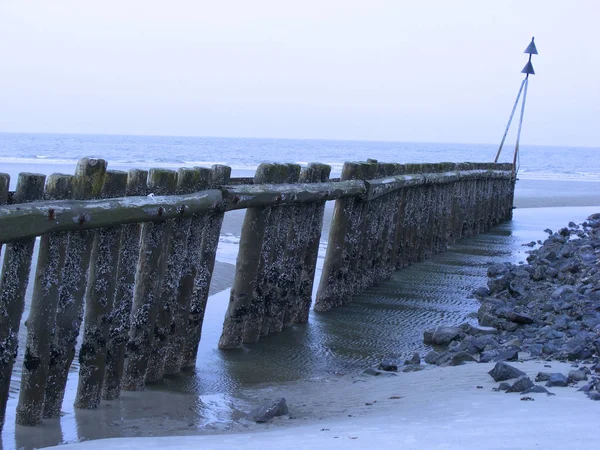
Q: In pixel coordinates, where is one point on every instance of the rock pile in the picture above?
(549, 308)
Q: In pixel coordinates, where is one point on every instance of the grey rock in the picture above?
(388, 365)
(594, 396)
(481, 292)
(503, 371)
(503, 386)
(542, 376)
(414, 360)
(431, 357)
(516, 317)
(557, 379)
(461, 358)
(507, 355)
(577, 375)
(536, 388)
(266, 412)
(444, 335)
(521, 384)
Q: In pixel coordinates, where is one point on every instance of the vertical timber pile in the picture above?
(149, 281)
(4, 184)
(307, 231)
(187, 180)
(219, 176)
(42, 313)
(246, 307)
(13, 284)
(189, 270)
(273, 286)
(99, 301)
(87, 184)
(120, 317)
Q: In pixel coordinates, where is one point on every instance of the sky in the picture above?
(425, 71)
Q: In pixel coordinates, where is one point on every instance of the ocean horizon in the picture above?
(41, 150)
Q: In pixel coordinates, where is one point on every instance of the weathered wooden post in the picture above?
(333, 287)
(42, 313)
(99, 301)
(185, 290)
(87, 184)
(4, 184)
(220, 176)
(187, 182)
(245, 304)
(276, 276)
(13, 284)
(312, 224)
(120, 319)
(149, 283)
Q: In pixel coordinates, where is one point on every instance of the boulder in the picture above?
(557, 379)
(536, 388)
(577, 375)
(442, 335)
(266, 412)
(461, 358)
(521, 384)
(388, 365)
(503, 371)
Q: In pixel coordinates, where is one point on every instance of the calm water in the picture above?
(243, 155)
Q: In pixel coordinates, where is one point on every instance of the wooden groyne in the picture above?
(126, 259)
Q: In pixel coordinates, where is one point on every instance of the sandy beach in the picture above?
(441, 408)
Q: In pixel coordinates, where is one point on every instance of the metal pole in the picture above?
(526, 81)
(510, 120)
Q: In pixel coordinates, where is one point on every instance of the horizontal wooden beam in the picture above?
(34, 219)
(259, 195)
(19, 221)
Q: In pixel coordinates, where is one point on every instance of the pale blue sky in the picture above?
(430, 71)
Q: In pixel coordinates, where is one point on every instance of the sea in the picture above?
(39, 151)
(386, 321)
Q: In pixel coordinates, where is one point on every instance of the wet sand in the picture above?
(444, 407)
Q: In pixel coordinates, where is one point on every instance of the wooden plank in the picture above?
(13, 284)
(87, 184)
(120, 319)
(99, 301)
(42, 313)
(35, 219)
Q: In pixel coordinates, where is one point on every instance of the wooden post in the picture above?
(99, 301)
(245, 302)
(210, 240)
(120, 319)
(311, 236)
(4, 184)
(87, 184)
(148, 285)
(13, 284)
(276, 276)
(333, 287)
(42, 313)
(257, 321)
(191, 268)
(187, 181)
